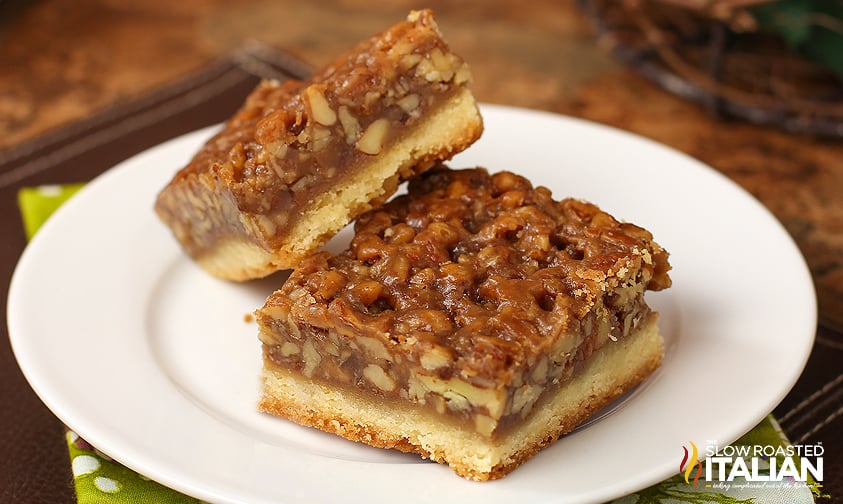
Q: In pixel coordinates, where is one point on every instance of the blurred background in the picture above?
(82, 55)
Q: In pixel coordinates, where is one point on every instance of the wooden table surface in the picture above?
(62, 60)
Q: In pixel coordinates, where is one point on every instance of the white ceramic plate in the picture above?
(151, 360)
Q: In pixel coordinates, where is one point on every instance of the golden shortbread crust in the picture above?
(609, 373)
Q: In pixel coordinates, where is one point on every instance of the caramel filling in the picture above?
(328, 358)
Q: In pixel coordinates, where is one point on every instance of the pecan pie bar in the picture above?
(473, 320)
(300, 160)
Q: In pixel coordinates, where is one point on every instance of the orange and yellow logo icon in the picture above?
(689, 459)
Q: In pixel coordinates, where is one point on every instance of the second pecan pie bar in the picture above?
(301, 159)
(473, 320)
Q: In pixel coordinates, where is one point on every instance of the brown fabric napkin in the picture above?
(35, 466)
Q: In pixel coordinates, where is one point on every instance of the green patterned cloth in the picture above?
(99, 480)
(38, 203)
